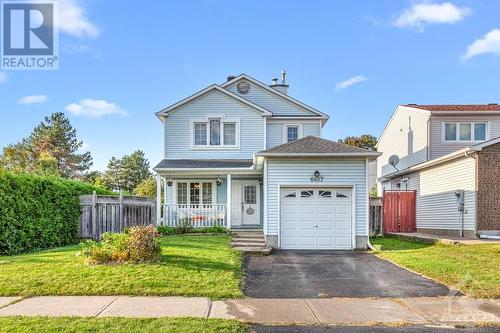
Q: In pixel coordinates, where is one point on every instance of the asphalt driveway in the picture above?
(316, 274)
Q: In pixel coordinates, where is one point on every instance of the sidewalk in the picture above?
(336, 311)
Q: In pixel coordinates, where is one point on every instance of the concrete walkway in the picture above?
(333, 311)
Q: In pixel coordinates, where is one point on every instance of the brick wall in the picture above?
(488, 198)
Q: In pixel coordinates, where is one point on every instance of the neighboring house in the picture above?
(244, 154)
(449, 154)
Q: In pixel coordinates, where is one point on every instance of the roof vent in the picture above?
(230, 77)
(492, 103)
(411, 104)
(274, 81)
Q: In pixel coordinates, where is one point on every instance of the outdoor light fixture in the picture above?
(316, 173)
(169, 182)
(261, 181)
(218, 182)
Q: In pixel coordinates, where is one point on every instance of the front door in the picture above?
(245, 203)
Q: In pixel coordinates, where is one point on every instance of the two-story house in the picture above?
(244, 154)
(450, 155)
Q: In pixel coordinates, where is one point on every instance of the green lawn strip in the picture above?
(110, 325)
(473, 269)
(190, 266)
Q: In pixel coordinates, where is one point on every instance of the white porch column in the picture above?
(164, 191)
(228, 201)
(158, 200)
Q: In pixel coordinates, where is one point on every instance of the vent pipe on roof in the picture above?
(230, 77)
(282, 87)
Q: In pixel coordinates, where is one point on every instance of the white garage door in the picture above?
(316, 218)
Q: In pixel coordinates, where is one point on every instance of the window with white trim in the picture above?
(465, 131)
(215, 132)
(194, 193)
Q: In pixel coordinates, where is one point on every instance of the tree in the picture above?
(51, 148)
(366, 141)
(147, 188)
(127, 172)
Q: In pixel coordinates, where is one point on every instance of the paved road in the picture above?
(369, 329)
(313, 274)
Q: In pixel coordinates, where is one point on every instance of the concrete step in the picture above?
(247, 244)
(249, 240)
(249, 236)
(254, 250)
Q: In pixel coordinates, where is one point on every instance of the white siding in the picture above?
(437, 206)
(398, 139)
(270, 101)
(439, 148)
(275, 130)
(334, 171)
(177, 128)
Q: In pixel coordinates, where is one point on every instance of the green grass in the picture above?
(111, 325)
(472, 269)
(190, 266)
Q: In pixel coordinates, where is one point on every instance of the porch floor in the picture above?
(450, 240)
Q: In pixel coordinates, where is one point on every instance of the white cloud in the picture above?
(95, 108)
(349, 82)
(32, 99)
(3, 77)
(420, 14)
(489, 43)
(73, 20)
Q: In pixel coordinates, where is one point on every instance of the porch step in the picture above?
(236, 243)
(254, 249)
(249, 240)
(247, 234)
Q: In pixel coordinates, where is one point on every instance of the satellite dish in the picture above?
(394, 160)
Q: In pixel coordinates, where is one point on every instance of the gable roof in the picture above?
(456, 107)
(315, 146)
(275, 92)
(208, 89)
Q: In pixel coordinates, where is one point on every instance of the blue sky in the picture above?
(120, 61)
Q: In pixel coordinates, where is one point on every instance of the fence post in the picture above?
(122, 220)
(94, 216)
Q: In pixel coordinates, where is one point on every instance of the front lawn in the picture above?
(111, 325)
(473, 269)
(190, 266)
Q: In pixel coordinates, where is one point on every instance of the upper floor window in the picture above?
(465, 131)
(215, 132)
(291, 133)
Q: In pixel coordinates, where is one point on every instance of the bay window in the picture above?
(464, 131)
(215, 132)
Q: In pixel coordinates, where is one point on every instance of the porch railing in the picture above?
(198, 216)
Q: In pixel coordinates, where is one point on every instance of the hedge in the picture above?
(38, 212)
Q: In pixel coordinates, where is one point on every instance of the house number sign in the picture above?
(317, 178)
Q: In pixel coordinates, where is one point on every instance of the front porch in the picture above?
(233, 201)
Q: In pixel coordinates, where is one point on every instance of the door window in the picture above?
(250, 194)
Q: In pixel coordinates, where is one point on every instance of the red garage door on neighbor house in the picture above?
(399, 211)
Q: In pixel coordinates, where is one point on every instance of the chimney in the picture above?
(282, 87)
(230, 77)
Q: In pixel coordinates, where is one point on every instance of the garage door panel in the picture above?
(316, 218)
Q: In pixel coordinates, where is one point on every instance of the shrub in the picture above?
(38, 212)
(167, 230)
(139, 244)
(142, 243)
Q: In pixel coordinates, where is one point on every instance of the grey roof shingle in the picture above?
(315, 145)
(202, 164)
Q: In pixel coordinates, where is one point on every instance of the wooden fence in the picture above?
(104, 213)
(375, 216)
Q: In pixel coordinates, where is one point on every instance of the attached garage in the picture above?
(316, 218)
